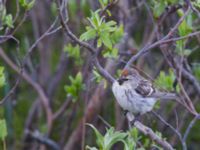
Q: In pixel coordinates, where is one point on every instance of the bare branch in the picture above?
(149, 132)
(69, 33)
(35, 85)
(47, 33)
(101, 70)
(172, 128)
(10, 92)
(64, 106)
(50, 144)
(146, 48)
(190, 127)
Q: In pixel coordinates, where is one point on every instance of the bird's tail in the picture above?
(164, 95)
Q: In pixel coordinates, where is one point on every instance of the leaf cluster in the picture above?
(106, 33)
(158, 7)
(6, 19)
(74, 52)
(27, 5)
(165, 81)
(75, 87)
(111, 137)
(184, 29)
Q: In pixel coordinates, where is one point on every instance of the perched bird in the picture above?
(136, 94)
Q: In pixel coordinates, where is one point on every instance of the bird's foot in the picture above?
(136, 118)
(125, 112)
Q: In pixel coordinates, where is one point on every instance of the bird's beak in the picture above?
(121, 80)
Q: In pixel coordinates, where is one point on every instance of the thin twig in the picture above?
(48, 32)
(62, 109)
(147, 47)
(100, 69)
(190, 127)
(50, 144)
(10, 92)
(3, 38)
(104, 121)
(172, 128)
(34, 84)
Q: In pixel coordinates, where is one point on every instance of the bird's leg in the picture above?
(125, 112)
(136, 118)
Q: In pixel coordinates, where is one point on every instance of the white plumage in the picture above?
(130, 100)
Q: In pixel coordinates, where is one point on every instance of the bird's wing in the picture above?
(144, 88)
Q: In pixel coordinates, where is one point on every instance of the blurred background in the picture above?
(50, 87)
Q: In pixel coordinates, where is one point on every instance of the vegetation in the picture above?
(58, 60)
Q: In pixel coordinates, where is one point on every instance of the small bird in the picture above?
(136, 94)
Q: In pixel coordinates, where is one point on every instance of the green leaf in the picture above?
(90, 148)
(108, 12)
(107, 28)
(130, 143)
(26, 5)
(159, 8)
(23, 3)
(72, 8)
(74, 52)
(9, 21)
(134, 133)
(95, 19)
(111, 137)
(196, 3)
(117, 34)
(88, 35)
(2, 77)
(30, 5)
(111, 23)
(99, 43)
(105, 2)
(165, 81)
(3, 129)
(113, 53)
(75, 87)
(105, 37)
(99, 136)
(97, 76)
(184, 29)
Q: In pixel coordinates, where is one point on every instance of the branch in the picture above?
(172, 128)
(68, 31)
(146, 48)
(48, 32)
(190, 127)
(93, 51)
(149, 132)
(44, 140)
(180, 38)
(10, 92)
(64, 106)
(35, 85)
(192, 79)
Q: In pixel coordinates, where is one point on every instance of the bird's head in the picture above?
(126, 75)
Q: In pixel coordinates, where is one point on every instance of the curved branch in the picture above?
(35, 85)
(9, 93)
(146, 48)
